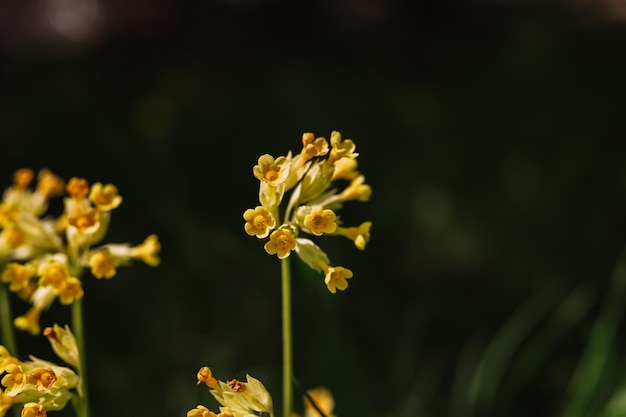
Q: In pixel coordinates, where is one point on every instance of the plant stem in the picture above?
(287, 344)
(79, 333)
(6, 323)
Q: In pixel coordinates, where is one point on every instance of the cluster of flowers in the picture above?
(310, 177)
(43, 257)
(37, 384)
(251, 399)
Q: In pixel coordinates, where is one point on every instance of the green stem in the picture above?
(79, 333)
(6, 321)
(287, 345)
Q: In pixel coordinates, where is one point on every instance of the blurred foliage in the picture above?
(491, 136)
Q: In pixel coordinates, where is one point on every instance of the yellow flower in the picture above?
(320, 221)
(323, 398)
(6, 401)
(357, 190)
(103, 264)
(281, 243)
(41, 378)
(206, 375)
(202, 411)
(33, 410)
(345, 169)
(14, 380)
(63, 343)
(259, 222)
(341, 148)
(148, 251)
(312, 147)
(272, 171)
(71, 289)
(29, 321)
(48, 184)
(17, 276)
(360, 235)
(6, 359)
(336, 278)
(85, 220)
(52, 273)
(22, 178)
(77, 188)
(105, 198)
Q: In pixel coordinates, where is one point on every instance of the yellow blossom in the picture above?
(320, 221)
(63, 343)
(360, 235)
(6, 359)
(281, 243)
(357, 190)
(85, 220)
(272, 171)
(103, 264)
(48, 184)
(70, 289)
(206, 375)
(33, 410)
(29, 321)
(14, 380)
(52, 273)
(77, 188)
(22, 178)
(41, 378)
(323, 399)
(336, 278)
(17, 276)
(345, 169)
(6, 401)
(201, 411)
(105, 198)
(259, 222)
(312, 146)
(148, 251)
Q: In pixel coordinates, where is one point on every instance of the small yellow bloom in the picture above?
(63, 343)
(320, 221)
(22, 178)
(6, 401)
(206, 375)
(148, 251)
(77, 188)
(52, 273)
(336, 278)
(14, 380)
(259, 222)
(71, 289)
(105, 198)
(357, 190)
(345, 169)
(29, 321)
(85, 220)
(341, 148)
(360, 235)
(272, 171)
(323, 398)
(103, 264)
(13, 237)
(33, 410)
(17, 276)
(312, 146)
(281, 243)
(202, 411)
(48, 184)
(6, 359)
(42, 378)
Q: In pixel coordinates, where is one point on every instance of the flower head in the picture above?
(303, 193)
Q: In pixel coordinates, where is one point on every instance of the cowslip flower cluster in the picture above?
(236, 398)
(39, 385)
(300, 193)
(43, 257)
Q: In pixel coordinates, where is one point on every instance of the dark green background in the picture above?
(491, 135)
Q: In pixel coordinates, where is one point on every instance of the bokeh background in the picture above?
(490, 132)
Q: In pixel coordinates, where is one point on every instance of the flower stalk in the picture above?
(287, 338)
(79, 333)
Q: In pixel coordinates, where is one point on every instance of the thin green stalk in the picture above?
(79, 333)
(6, 321)
(287, 336)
